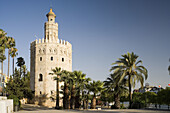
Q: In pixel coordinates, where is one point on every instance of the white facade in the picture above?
(6, 105)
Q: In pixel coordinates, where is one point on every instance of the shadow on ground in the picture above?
(31, 107)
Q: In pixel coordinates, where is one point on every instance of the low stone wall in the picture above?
(6, 105)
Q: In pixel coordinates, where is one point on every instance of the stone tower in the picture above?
(46, 54)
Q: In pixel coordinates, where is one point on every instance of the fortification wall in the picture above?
(41, 41)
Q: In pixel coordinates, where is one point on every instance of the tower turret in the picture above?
(51, 16)
(51, 27)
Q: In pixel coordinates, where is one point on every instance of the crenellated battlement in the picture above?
(41, 41)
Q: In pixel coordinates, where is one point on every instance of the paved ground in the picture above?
(37, 109)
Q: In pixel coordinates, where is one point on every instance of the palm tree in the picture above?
(73, 91)
(13, 54)
(20, 62)
(84, 90)
(2, 48)
(10, 44)
(57, 71)
(95, 87)
(2, 38)
(128, 68)
(113, 86)
(65, 77)
(80, 77)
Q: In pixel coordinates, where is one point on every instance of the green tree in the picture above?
(163, 96)
(20, 63)
(150, 97)
(129, 68)
(17, 88)
(57, 72)
(107, 96)
(95, 87)
(24, 70)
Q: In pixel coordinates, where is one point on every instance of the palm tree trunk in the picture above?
(1, 68)
(84, 101)
(72, 104)
(20, 71)
(130, 95)
(87, 101)
(93, 105)
(1, 77)
(57, 95)
(117, 101)
(77, 102)
(69, 103)
(64, 98)
(13, 66)
(117, 98)
(8, 62)
(67, 97)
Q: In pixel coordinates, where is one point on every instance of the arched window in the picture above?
(40, 77)
(51, 58)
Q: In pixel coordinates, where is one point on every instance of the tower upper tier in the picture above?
(51, 27)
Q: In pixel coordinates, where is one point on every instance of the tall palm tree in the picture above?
(113, 86)
(84, 90)
(128, 68)
(20, 62)
(66, 78)
(10, 44)
(80, 77)
(57, 72)
(13, 54)
(2, 38)
(2, 47)
(73, 91)
(95, 87)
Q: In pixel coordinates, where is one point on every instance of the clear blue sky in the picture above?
(99, 30)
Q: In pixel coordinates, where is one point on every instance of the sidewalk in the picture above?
(29, 108)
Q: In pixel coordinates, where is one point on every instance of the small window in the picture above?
(62, 59)
(40, 93)
(51, 92)
(40, 77)
(51, 19)
(51, 58)
(40, 58)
